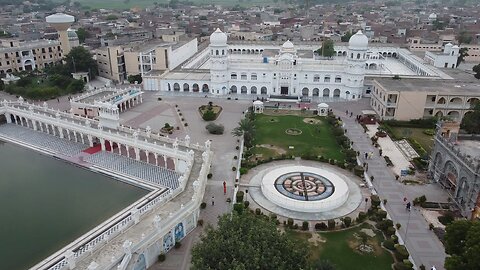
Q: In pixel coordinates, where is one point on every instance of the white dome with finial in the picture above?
(358, 41)
(218, 38)
(287, 45)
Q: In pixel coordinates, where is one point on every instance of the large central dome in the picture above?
(358, 41)
(218, 38)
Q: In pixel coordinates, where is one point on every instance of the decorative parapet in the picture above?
(449, 144)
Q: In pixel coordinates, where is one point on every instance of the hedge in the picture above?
(414, 123)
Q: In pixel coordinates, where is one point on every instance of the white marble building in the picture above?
(288, 72)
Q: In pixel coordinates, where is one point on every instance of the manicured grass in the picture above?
(315, 139)
(339, 249)
(426, 141)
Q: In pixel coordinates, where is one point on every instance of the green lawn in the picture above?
(315, 138)
(417, 134)
(339, 249)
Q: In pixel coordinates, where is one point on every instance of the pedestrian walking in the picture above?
(213, 200)
(224, 188)
(58, 100)
(351, 114)
(408, 206)
(346, 112)
(366, 155)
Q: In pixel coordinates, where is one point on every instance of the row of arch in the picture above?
(245, 51)
(91, 141)
(448, 172)
(186, 87)
(315, 92)
(457, 100)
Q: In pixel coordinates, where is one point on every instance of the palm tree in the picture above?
(245, 128)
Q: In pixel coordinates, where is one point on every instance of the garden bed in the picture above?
(210, 112)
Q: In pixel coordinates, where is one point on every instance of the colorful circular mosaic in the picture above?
(304, 186)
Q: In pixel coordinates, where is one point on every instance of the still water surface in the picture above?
(46, 203)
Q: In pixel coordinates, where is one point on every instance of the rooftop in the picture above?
(428, 85)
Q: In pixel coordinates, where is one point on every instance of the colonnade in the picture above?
(130, 103)
(106, 142)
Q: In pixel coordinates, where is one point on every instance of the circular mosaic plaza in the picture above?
(308, 192)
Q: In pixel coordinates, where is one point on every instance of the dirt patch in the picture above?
(316, 239)
(275, 148)
(312, 121)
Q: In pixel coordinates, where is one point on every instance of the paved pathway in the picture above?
(423, 245)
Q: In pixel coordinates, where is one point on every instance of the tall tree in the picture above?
(245, 128)
(346, 37)
(82, 34)
(462, 243)
(476, 69)
(246, 241)
(79, 59)
(461, 55)
(327, 48)
(471, 121)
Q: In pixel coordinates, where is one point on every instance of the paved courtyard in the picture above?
(422, 243)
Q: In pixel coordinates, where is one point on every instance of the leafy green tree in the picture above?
(476, 69)
(346, 37)
(246, 241)
(76, 86)
(462, 243)
(245, 128)
(327, 48)
(111, 17)
(461, 55)
(135, 78)
(79, 59)
(464, 38)
(471, 121)
(82, 34)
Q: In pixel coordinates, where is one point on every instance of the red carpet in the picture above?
(98, 148)
(93, 150)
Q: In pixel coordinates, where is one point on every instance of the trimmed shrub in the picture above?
(290, 222)
(398, 226)
(362, 216)
(177, 245)
(358, 171)
(243, 170)
(446, 218)
(331, 224)
(394, 239)
(209, 176)
(381, 214)
(273, 216)
(240, 196)
(401, 266)
(209, 115)
(390, 231)
(234, 168)
(321, 226)
(258, 211)
(305, 226)
(203, 205)
(295, 226)
(228, 200)
(200, 222)
(246, 203)
(238, 207)
(389, 244)
(347, 221)
(401, 252)
(375, 201)
(384, 224)
(161, 257)
(215, 129)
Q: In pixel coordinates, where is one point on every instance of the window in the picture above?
(233, 76)
(338, 79)
(243, 76)
(253, 76)
(316, 78)
(327, 79)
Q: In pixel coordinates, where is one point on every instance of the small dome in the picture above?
(455, 47)
(358, 41)
(322, 105)
(218, 38)
(72, 33)
(287, 45)
(432, 16)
